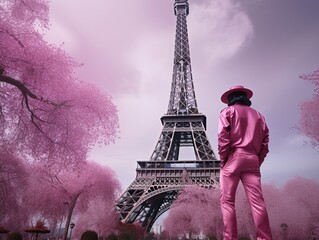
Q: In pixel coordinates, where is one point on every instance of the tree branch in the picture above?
(14, 37)
(24, 90)
(26, 94)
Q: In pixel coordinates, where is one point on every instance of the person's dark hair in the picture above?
(238, 97)
(89, 235)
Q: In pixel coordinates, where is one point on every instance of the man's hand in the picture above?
(222, 163)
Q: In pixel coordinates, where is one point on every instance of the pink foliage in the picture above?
(195, 211)
(99, 216)
(179, 221)
(26, 12)
(309, 123)
(34, 192)
(77, 186)
(46, 114)
(51, 118)
(284, 208)
(46, 202)
(13, 175)
(306, 193)
(295, 204)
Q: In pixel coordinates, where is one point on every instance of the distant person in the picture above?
(243, 138)
(89, 235)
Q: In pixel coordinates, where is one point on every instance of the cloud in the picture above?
(218, 29)
(127, 48)
(210, 26)
(106, 40)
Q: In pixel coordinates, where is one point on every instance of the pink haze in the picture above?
(127, 49)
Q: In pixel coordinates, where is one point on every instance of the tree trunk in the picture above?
(70, 212)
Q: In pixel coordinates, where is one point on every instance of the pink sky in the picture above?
(127, 49)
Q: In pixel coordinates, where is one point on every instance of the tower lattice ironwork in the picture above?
(159, 180)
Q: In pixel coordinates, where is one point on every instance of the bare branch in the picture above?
(14, 37)
(26, 94)
(19, 85)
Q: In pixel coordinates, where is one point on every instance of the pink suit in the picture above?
(243, 138)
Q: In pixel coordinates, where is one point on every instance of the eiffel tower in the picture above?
(160, 179)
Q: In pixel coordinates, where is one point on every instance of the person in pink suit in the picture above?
(243, 138)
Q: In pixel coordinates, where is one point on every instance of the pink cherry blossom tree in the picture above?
(284, 209)
(47, 115)
(178, 222)
(42, 201)
(295, 204)
(13, 175)
(45, 112)
(305, 192)
(195, 211)
(99, 216)
(309, 123)
(89, 189)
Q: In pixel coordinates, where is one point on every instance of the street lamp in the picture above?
(72, 225)
(284, 227)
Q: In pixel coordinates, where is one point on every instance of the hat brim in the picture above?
(224, 97)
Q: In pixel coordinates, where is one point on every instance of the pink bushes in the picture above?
(34, 192)
(296, 204)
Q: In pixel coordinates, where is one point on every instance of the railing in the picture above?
(179, 164)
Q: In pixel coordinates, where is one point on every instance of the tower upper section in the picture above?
(181, 5)
(182, 98)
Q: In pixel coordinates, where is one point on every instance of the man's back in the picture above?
(245, 129)
(248, 129)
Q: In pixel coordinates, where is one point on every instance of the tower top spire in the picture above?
(181, 5)
(182, 98)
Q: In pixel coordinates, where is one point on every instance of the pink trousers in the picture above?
(244, 167)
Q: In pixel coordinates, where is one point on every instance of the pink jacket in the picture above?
(242, 129)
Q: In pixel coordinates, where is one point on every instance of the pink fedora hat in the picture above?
(237, 88)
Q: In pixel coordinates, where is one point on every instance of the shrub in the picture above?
(14, 236)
